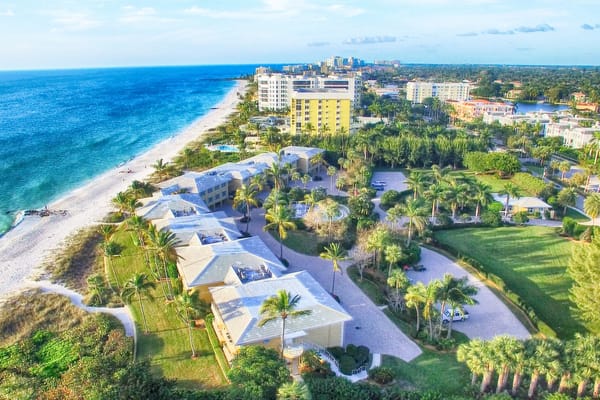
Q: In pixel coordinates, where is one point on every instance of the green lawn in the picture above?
(167, 343)
(532, 262)
(301, 241)
(430, 371)
(576, 215)
(520, 180)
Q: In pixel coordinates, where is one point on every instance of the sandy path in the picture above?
(25, 247)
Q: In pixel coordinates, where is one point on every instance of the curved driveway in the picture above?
(487, 319)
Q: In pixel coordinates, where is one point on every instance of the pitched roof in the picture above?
(172, 206)
(212, 263)
(522, 202)
(198, 229)
(239, 307)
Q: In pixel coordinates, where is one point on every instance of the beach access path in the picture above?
(24, 248)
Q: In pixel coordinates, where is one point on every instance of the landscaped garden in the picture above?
(532, 262)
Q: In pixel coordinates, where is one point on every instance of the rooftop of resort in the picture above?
(171, 206)
(212, 263)
(201, 229)
(239, 307)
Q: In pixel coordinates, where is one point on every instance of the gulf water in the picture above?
(61, 128)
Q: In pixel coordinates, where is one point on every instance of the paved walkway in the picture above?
(490, 318)
(370, 326)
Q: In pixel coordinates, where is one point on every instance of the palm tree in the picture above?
(161, 169)
(276, 172)
(279, 218)
(335, 253)
(140, 226)
(504, 348)
(473, 353)
(376, 241)
(281, 306)
(456, 292)
(393, 254)
(188, 307)
(163, 243)
(416, 217)
(96, 287)
(482, 196)
(431, 297)
(394, 215)
(107, 231)
(121, 201)
(416, 182)
(435, 194)
(258, 181)
(331, 173)
(305, 179)
(109, 250)
(415, 296)
(544, 352)
(564, 167)
(398, 281)
(137, 285)
(438, 174)
(591, 206)
(456, 194)
(510, 190)
(567, 197)
(246, 197)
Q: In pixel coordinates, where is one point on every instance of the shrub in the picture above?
(491, 218)
(351, 350)
(390, 198)
(568, 226)
(521, 217)
(496, 207)
(381, 375)
(337, 352)
(412, 254)
(443, 220)
(347, 364)
(362, 355)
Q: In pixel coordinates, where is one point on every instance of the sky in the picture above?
(106, 33)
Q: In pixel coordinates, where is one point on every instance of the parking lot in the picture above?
(393, 180)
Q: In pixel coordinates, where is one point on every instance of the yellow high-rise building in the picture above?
(324, 111)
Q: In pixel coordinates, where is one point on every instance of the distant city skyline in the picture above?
(106, 33)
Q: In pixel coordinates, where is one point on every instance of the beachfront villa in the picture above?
(171, 206)
(236, 274)
(236, 309)
(201, 229)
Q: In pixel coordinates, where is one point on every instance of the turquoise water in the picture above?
(524, 108)
(61, 128)
(225, 148)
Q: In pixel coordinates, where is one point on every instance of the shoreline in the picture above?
(25, 247)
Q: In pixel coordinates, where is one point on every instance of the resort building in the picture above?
(275, 90)
(469, 110)
(324, 110)
(198, 230)
(572, 133)
(171, 206)
(508, 119)
(305, 158)
(236, 309)
(417, 92)
(227, 263)
(212, 187)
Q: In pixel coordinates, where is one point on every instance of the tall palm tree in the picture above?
(96, 287)
(121, 201)
(591, 206)
(188, 307)
(376, 241)
(394, 215)
(398, 281)
(438, 174)
(335, 253)
(161, 169)
(163, 243)
(416, 182)
(331, 173)
(415, 213)
(415, 296)
(456, 292)
(472, 354)
(279, 218)
(429, 310)
(107, 231)
(504, 348)
(140, 226)
(544, 352)
(393, 254)
(567, 197)
(246, 196)
(456, 194)
(137, 285)
(281, 306)
(109, 250)
(276, 172)
(510, 191)
(435, 194)
(482, 195)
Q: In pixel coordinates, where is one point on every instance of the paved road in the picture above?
(370, 326)
(487, 319)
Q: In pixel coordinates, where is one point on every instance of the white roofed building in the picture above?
(171, 206)
(237, 312)
(201, 229)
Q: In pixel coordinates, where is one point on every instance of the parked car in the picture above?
(377, 187)
(456, 315)
(380, 183)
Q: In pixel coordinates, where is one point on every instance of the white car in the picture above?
(456, 315)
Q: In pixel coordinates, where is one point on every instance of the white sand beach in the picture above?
(24, 248)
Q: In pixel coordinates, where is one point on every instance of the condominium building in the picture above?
(572, 133)
(469, 110)
(321, 109)
(416, 92)
(275, 89)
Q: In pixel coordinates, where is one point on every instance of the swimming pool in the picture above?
(224, 148)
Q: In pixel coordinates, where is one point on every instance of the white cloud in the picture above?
(143, 15)
(370, 40)
(7, 13)
(73, 21)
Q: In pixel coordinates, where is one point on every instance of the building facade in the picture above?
(572, 133)
(469, 110)
(275, 90)
(417, 92)
(323, 110)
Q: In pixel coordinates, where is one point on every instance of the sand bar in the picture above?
(24, 248)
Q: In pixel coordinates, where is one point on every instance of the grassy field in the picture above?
(167, 343)
(303, 242)
(430, 371)
(532, 262)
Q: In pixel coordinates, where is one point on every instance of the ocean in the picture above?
(61, 128)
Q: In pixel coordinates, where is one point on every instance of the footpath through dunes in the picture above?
(24, 248)
(370, 326)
